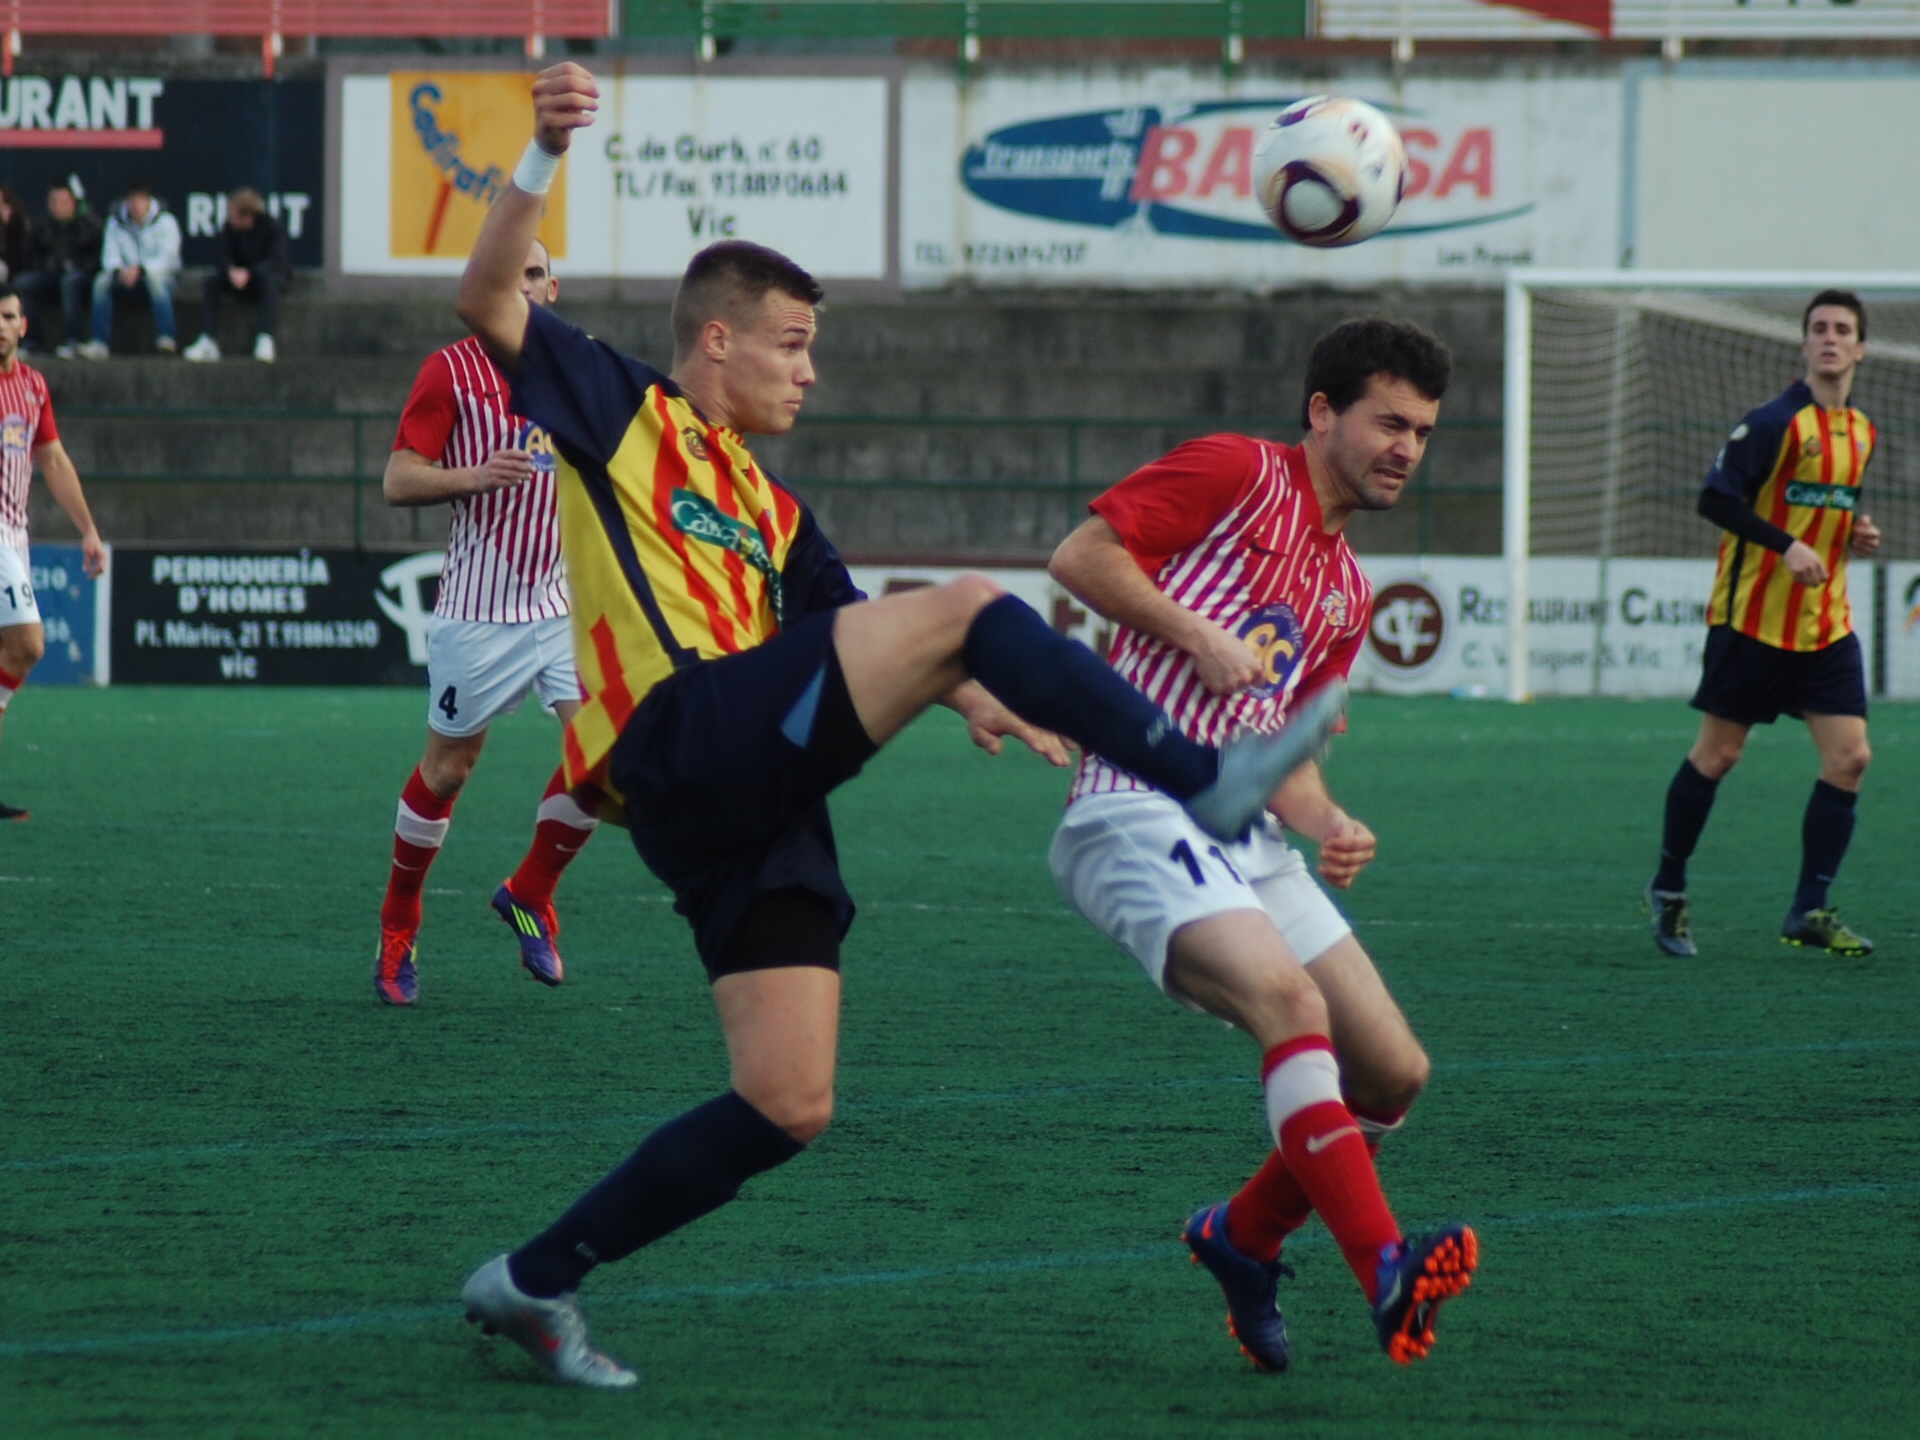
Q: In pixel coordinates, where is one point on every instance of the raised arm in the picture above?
(63, 483)
(1096, 566)
(564, 100)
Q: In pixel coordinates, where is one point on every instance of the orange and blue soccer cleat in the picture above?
(1251, 1286)
(394, 978)
(536, 930)
(1414, 1277)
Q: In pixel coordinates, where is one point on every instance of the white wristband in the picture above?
(534, 175)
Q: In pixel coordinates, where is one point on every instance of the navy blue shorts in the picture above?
(1750, 683)
(725, 768)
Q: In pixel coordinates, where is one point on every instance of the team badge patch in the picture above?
(1812, 449)
(1273, 633)
(694, 441)
(14, 434)
(1333, 605)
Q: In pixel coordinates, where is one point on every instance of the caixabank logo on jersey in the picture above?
(1188, 170)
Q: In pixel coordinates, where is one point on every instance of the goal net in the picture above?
(1626, 385)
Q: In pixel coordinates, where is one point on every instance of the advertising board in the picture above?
(672, 164)
(1903, 630)
(194, 141)
(73, 615)
(1617, 19)
(306, 617)
(1440, 626)
(1106, 176)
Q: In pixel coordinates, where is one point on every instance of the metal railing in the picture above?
(1061, 470)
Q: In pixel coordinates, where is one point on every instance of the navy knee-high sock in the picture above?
(1689, 802)
(1824, 835)
(690, 1165)
(1060, 685)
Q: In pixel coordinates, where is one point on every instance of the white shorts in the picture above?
(1139, 869)
(478, 671)
(17, 605)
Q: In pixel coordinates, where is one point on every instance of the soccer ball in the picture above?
(1330, 171)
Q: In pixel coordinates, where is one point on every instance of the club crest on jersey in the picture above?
(694, 441)
(1333, 605)
(537, 443)
(1812, 449)
(1273, 633)
(13, 434)
(700, 519)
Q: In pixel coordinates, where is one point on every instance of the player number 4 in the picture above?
(447, 704)
(1183, 852)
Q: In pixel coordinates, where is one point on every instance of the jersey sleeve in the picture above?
(1170, 505)
(815, 577)
(1750, 454)
(426, 425)
(580, 390)
(1336, 665)
(46, 431)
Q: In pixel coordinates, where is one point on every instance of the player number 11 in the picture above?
(1183, 852)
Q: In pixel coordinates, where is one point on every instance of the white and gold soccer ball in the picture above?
(1330, 171)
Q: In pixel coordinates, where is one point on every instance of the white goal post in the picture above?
(1618, 381)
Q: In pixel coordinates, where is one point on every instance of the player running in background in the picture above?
(499, 629)
(1226, 568)
(28, 436)
(1780, 630)
(734, 677)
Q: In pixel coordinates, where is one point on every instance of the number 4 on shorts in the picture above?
(446, 703)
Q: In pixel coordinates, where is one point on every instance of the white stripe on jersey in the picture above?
(503, 548)
(23, 395)
(1260, 555)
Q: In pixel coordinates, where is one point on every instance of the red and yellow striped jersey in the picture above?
(1798, 465)
(679, 547)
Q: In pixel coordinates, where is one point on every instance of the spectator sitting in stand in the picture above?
(142, 247)
(16, 235)
(66, 252)
(253, 263)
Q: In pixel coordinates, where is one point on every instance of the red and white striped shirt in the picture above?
(1231, 529)
(26, 423)
(503, 548)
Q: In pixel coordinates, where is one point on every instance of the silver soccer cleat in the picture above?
(552, 1331)
(1252, 766)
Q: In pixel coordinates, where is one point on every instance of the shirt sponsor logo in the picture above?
(538, 444)
(1409, 624)
(14, 433)
(1821, 497)
(697, 517)
(1273, 633)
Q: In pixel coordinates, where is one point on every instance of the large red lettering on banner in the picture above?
(1231, 164)
(1472, 164)
(1163, 163)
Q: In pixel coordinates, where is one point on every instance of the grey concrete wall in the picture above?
(1009, 484)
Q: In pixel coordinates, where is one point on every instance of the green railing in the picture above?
(956, 20)
(368, 437)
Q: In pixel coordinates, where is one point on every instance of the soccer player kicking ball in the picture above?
(499, 629)
(1235, 591)
(734, 677)
(1779, 628)
(29, 436)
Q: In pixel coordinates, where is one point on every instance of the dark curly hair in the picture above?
(1354, 351)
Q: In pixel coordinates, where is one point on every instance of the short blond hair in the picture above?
(246, 201)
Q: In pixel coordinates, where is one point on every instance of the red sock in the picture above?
(1269, 1207)
(1323, 1148)
(419, 830)
(561, 829)
(9, 683)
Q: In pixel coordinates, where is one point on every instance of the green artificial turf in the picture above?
(238, 1196)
